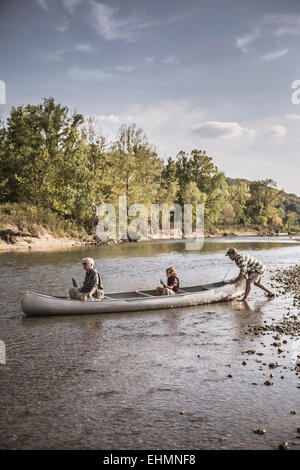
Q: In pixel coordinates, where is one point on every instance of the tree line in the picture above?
(55, 160)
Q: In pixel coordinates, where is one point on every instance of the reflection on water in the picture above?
(155, 380)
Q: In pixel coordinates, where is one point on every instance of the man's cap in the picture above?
(88, 260)
(231, 251)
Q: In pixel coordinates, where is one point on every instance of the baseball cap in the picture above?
(231, 251)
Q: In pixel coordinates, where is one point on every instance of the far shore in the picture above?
(48, 242)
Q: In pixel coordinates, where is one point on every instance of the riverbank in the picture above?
(13, 239)
(46, 242)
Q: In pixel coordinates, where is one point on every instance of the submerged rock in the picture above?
(259, 431)
(283, 446)
(268, 382)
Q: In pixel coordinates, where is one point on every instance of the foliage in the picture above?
(55, 169)
(36, 220)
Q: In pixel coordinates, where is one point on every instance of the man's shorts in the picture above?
(100, 294)
(256, 277)
(76, 290)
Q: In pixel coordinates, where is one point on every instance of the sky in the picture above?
(214, 75)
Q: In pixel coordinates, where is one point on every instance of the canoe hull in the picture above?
(35, 304)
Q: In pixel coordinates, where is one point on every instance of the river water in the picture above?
(146, 380)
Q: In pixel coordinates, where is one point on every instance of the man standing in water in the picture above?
(251, 267)
(92, 288)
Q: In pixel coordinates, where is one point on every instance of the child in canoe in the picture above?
(172, 286)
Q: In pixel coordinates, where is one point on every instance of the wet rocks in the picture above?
(288, 327)
(273, 365)
(283, 446)
(259, 431)
(289, 281)
(268, 382)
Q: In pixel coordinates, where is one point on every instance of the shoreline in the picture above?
(45, 242)
(48, 242)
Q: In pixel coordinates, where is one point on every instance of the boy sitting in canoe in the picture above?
(172, 286)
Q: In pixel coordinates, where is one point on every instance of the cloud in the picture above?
(126, 68)
(133, 67)
(43, 4)
(112, 118)
(171, 60)
(107, 23)
(284, 24)
(244, 41)
(70, 5)
(104, 19)
(51, 56)
(271, 25)
(293, 117)
(274, 55)
(86, 75)
(63, 27)
(216, 129)
(84, 48)
(162, 121)
(278, 130)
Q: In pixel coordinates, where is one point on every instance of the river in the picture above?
(145, 380)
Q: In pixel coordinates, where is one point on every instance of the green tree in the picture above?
(217, 197)
(136, 168)
(169, 183)
(35, 158)
(239, 195)
(289, 220)
(262, 204)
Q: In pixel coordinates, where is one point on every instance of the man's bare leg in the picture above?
(261, 286)
(248, 288)
(72, 293)
(79, 296)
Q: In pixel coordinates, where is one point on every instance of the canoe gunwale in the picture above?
(121, 299)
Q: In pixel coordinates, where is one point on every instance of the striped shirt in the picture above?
(248, 264)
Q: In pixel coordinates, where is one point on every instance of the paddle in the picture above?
(165, 286)
(226, 274)
(74, 282)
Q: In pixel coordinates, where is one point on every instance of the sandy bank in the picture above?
(44, 242)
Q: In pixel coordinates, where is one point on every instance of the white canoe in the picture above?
(35, 304)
